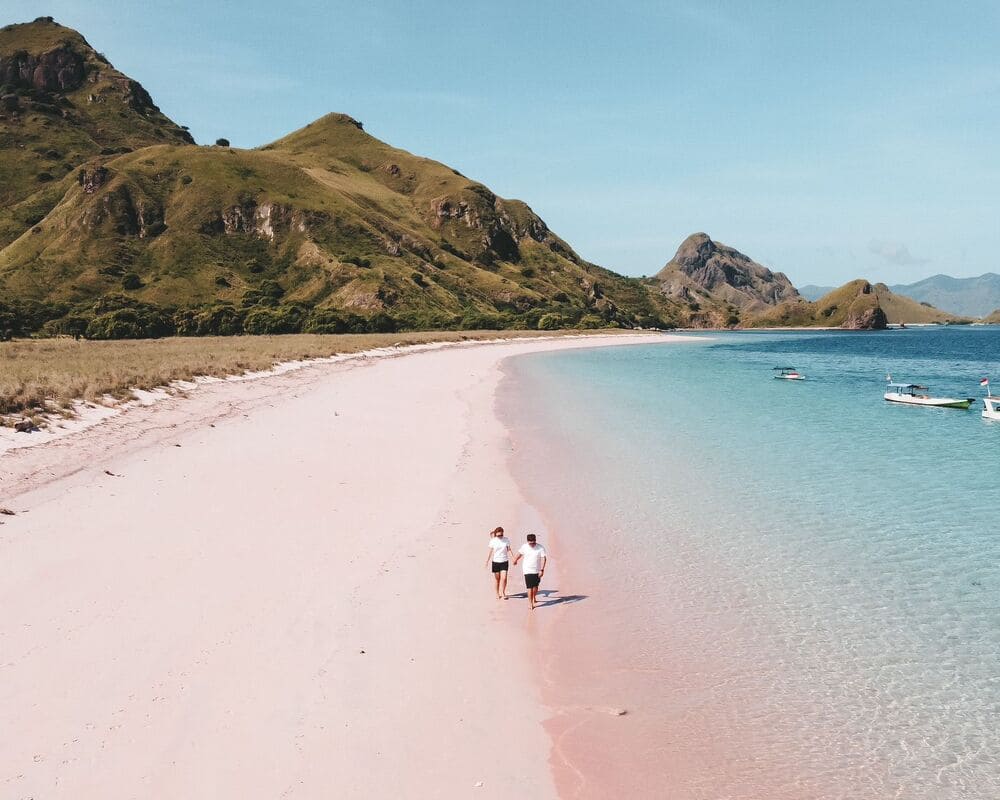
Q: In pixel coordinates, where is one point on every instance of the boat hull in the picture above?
(934, 402)
(991, 409)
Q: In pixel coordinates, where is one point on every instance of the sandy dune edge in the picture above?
(277, 592)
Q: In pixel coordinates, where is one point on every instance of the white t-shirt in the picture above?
(499, 544)
(532, 558)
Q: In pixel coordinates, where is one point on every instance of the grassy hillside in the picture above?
(899, 308)
(61, 104)
(139, 232)
(856, 304)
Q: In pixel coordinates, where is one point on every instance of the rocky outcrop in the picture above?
(724, 273)
(865, 313)
(265, 220)
(92, 179)
(60, 70)
(127, 212)
(503, 229)
(870, 319)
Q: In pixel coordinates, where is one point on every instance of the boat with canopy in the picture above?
(788, 374)
(915, 394)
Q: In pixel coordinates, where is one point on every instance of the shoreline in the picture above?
(83, 414)
(238, 593)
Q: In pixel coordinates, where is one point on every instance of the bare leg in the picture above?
(503, 584)
(532, 593)
(496, 582)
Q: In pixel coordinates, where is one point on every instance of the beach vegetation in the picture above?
(44, 375)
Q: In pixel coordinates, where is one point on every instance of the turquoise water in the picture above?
(803, 575)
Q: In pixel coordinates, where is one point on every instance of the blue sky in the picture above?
(827, 140)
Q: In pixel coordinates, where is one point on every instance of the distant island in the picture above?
(115, 224)
(966, 297)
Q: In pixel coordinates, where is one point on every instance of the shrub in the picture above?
(221, 280)
(271, 289)
(130, 323)
(528, 272)
(222, 142)
(479, 321)
(327, 321)
(381, 323)
(73, 325)
(418, 279)
(131, 281)
(285, 319)
(218, 320)
(590, 322)
(551, 322)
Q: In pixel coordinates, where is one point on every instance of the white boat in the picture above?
(788, 374)
(913, 394)
(991, 404)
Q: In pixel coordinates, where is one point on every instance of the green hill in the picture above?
(856, 305)
(113, 224)
(326, 229)
(61, 104)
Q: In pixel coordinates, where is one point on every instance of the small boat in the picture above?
(788, 374)
(912, 394)
(991, 404)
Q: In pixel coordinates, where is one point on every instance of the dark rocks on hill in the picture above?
(127, 213)
(59, 70)
(870, 319)
(723, 271)
(264, 220)
(93, 179)
(137, 98)
(866, 314)
(503, 228)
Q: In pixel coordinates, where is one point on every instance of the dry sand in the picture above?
(274, 589)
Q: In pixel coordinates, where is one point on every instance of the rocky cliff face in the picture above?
(501, 228)
(61, 69)
(702, 267)
(865, 313)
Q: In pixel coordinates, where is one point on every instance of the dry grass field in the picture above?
(38, 375)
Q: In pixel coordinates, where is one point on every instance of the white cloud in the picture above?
(895, 253)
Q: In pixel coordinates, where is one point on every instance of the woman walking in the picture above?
(499, 560)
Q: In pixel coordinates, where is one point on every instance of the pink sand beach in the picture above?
(275, 588)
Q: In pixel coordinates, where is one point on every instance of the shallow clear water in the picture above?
(801, 574)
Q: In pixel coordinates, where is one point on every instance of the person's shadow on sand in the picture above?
(545, 597)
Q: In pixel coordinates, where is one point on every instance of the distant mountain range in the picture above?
(965, 297)
(114, 223)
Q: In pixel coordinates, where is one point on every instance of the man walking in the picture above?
(534, 566)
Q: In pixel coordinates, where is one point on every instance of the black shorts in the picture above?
(500, 566)
(532, 579)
